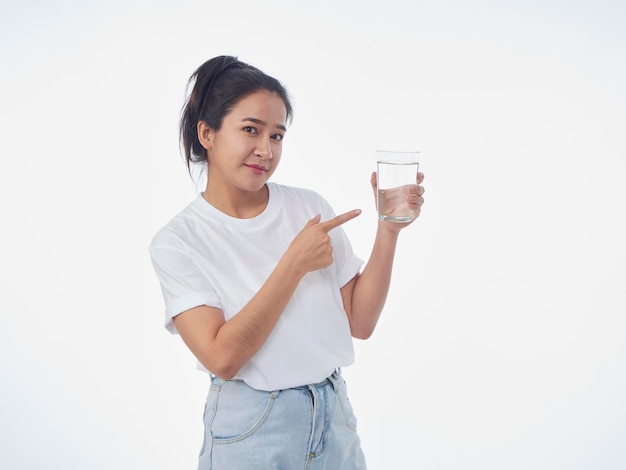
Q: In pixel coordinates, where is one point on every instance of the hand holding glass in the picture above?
(396, 173)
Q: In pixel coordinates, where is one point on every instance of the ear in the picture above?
(206, 135)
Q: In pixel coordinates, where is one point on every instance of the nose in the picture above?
(264, 150)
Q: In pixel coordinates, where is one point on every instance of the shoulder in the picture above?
(302, 200)
(171, 235)
(293, 194)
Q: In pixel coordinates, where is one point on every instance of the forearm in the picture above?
(224, 347)
(372, 285)
(241, 337)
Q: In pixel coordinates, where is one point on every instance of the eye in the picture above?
(250, 129)
(278, 137)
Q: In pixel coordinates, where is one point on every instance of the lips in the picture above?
(258, 169)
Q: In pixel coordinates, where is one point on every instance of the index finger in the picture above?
(340, 219)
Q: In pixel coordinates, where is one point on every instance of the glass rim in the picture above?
(393, 156)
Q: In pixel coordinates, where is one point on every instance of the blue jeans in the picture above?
(311, 427)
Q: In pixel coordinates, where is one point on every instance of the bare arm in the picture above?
(365, 295)
(224, 347)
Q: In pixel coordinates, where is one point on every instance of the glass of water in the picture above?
(396, 173)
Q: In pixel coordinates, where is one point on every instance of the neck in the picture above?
(237, 203)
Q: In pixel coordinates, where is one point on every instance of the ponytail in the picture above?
(218, 85)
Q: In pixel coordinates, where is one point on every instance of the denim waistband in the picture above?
(330, 380)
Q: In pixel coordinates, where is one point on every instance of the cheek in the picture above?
(276, 156)
(277, 151)
(275, 161)
(235, 152)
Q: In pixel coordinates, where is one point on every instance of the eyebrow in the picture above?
(263, 123)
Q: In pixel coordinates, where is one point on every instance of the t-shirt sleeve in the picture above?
(182, 283)
(347, 263)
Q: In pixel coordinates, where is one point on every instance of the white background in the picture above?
(503, 343)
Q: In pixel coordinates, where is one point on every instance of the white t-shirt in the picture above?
(205, 257)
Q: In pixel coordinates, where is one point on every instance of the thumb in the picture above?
(374, 182)
(314, 221)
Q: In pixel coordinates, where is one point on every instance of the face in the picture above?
(246, 150)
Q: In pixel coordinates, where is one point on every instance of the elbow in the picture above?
(360, 328)
(362, 333)
(224, 368)
(223, 372)
(226, 373)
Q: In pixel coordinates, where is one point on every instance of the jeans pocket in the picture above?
(208, 414)
(346, 406)
(240, 412)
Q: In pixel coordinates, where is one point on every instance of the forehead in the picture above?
(265, 105)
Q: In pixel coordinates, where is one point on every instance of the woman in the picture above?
(261, 283)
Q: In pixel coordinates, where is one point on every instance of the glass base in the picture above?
(398, 219)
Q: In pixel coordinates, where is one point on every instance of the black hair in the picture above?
(218, 85)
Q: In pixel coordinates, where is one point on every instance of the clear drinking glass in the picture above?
(396, 173)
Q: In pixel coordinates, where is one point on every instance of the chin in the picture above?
(253, 187)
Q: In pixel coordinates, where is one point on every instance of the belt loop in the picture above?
(334, 378)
